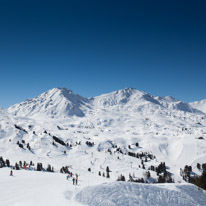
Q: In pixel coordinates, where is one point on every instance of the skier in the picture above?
(11, 173)
(76, 179)
(73, 179)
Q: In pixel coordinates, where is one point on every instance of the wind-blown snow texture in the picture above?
(163, 126)
(131, 194)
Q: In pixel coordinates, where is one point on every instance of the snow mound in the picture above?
(132, 194)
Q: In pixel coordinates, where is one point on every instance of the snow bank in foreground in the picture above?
(132, 194)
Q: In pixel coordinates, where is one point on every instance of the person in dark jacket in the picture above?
(73, 179)
(76, 179)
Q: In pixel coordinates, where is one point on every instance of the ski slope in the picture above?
(29, 188)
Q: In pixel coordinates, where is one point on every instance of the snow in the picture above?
(58, 102)
(119, 118)
(163, 126)
(201, 105)
(30, 188)
(131, 194)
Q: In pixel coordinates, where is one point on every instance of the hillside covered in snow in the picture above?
(126, 133)
(39, 188)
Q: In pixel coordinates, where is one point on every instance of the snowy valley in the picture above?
(124, 134)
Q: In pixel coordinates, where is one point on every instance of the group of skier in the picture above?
(69, 175)
(74, 177)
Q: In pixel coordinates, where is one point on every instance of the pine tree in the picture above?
(121, 178)
(131, 178)
(204, 167)
(49, 169)
(17, 166)
(198, 166)
(28, 146)
(202, 181)
(2, 162)
(7, 163)
(161, 179)
(148, 175)
(20, 163)
(39, 167)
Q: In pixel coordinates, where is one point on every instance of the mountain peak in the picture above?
(127, 96)
(61, 102)
(58, 102)
(171, 99)
(58, 91)
(130, 91)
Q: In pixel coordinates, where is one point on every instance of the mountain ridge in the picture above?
(200, 105)
(62, 102)
(114, 129)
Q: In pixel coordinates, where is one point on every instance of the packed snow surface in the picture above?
(29, 188)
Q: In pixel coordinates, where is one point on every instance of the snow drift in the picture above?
(131, 194)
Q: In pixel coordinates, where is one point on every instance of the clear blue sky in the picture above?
(98, 46)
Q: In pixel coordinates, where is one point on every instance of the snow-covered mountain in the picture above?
(121, 117)
(132, 100)
(173, 104)
(111, 130)
(61, 103)
(200, 105)
(57, 102)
